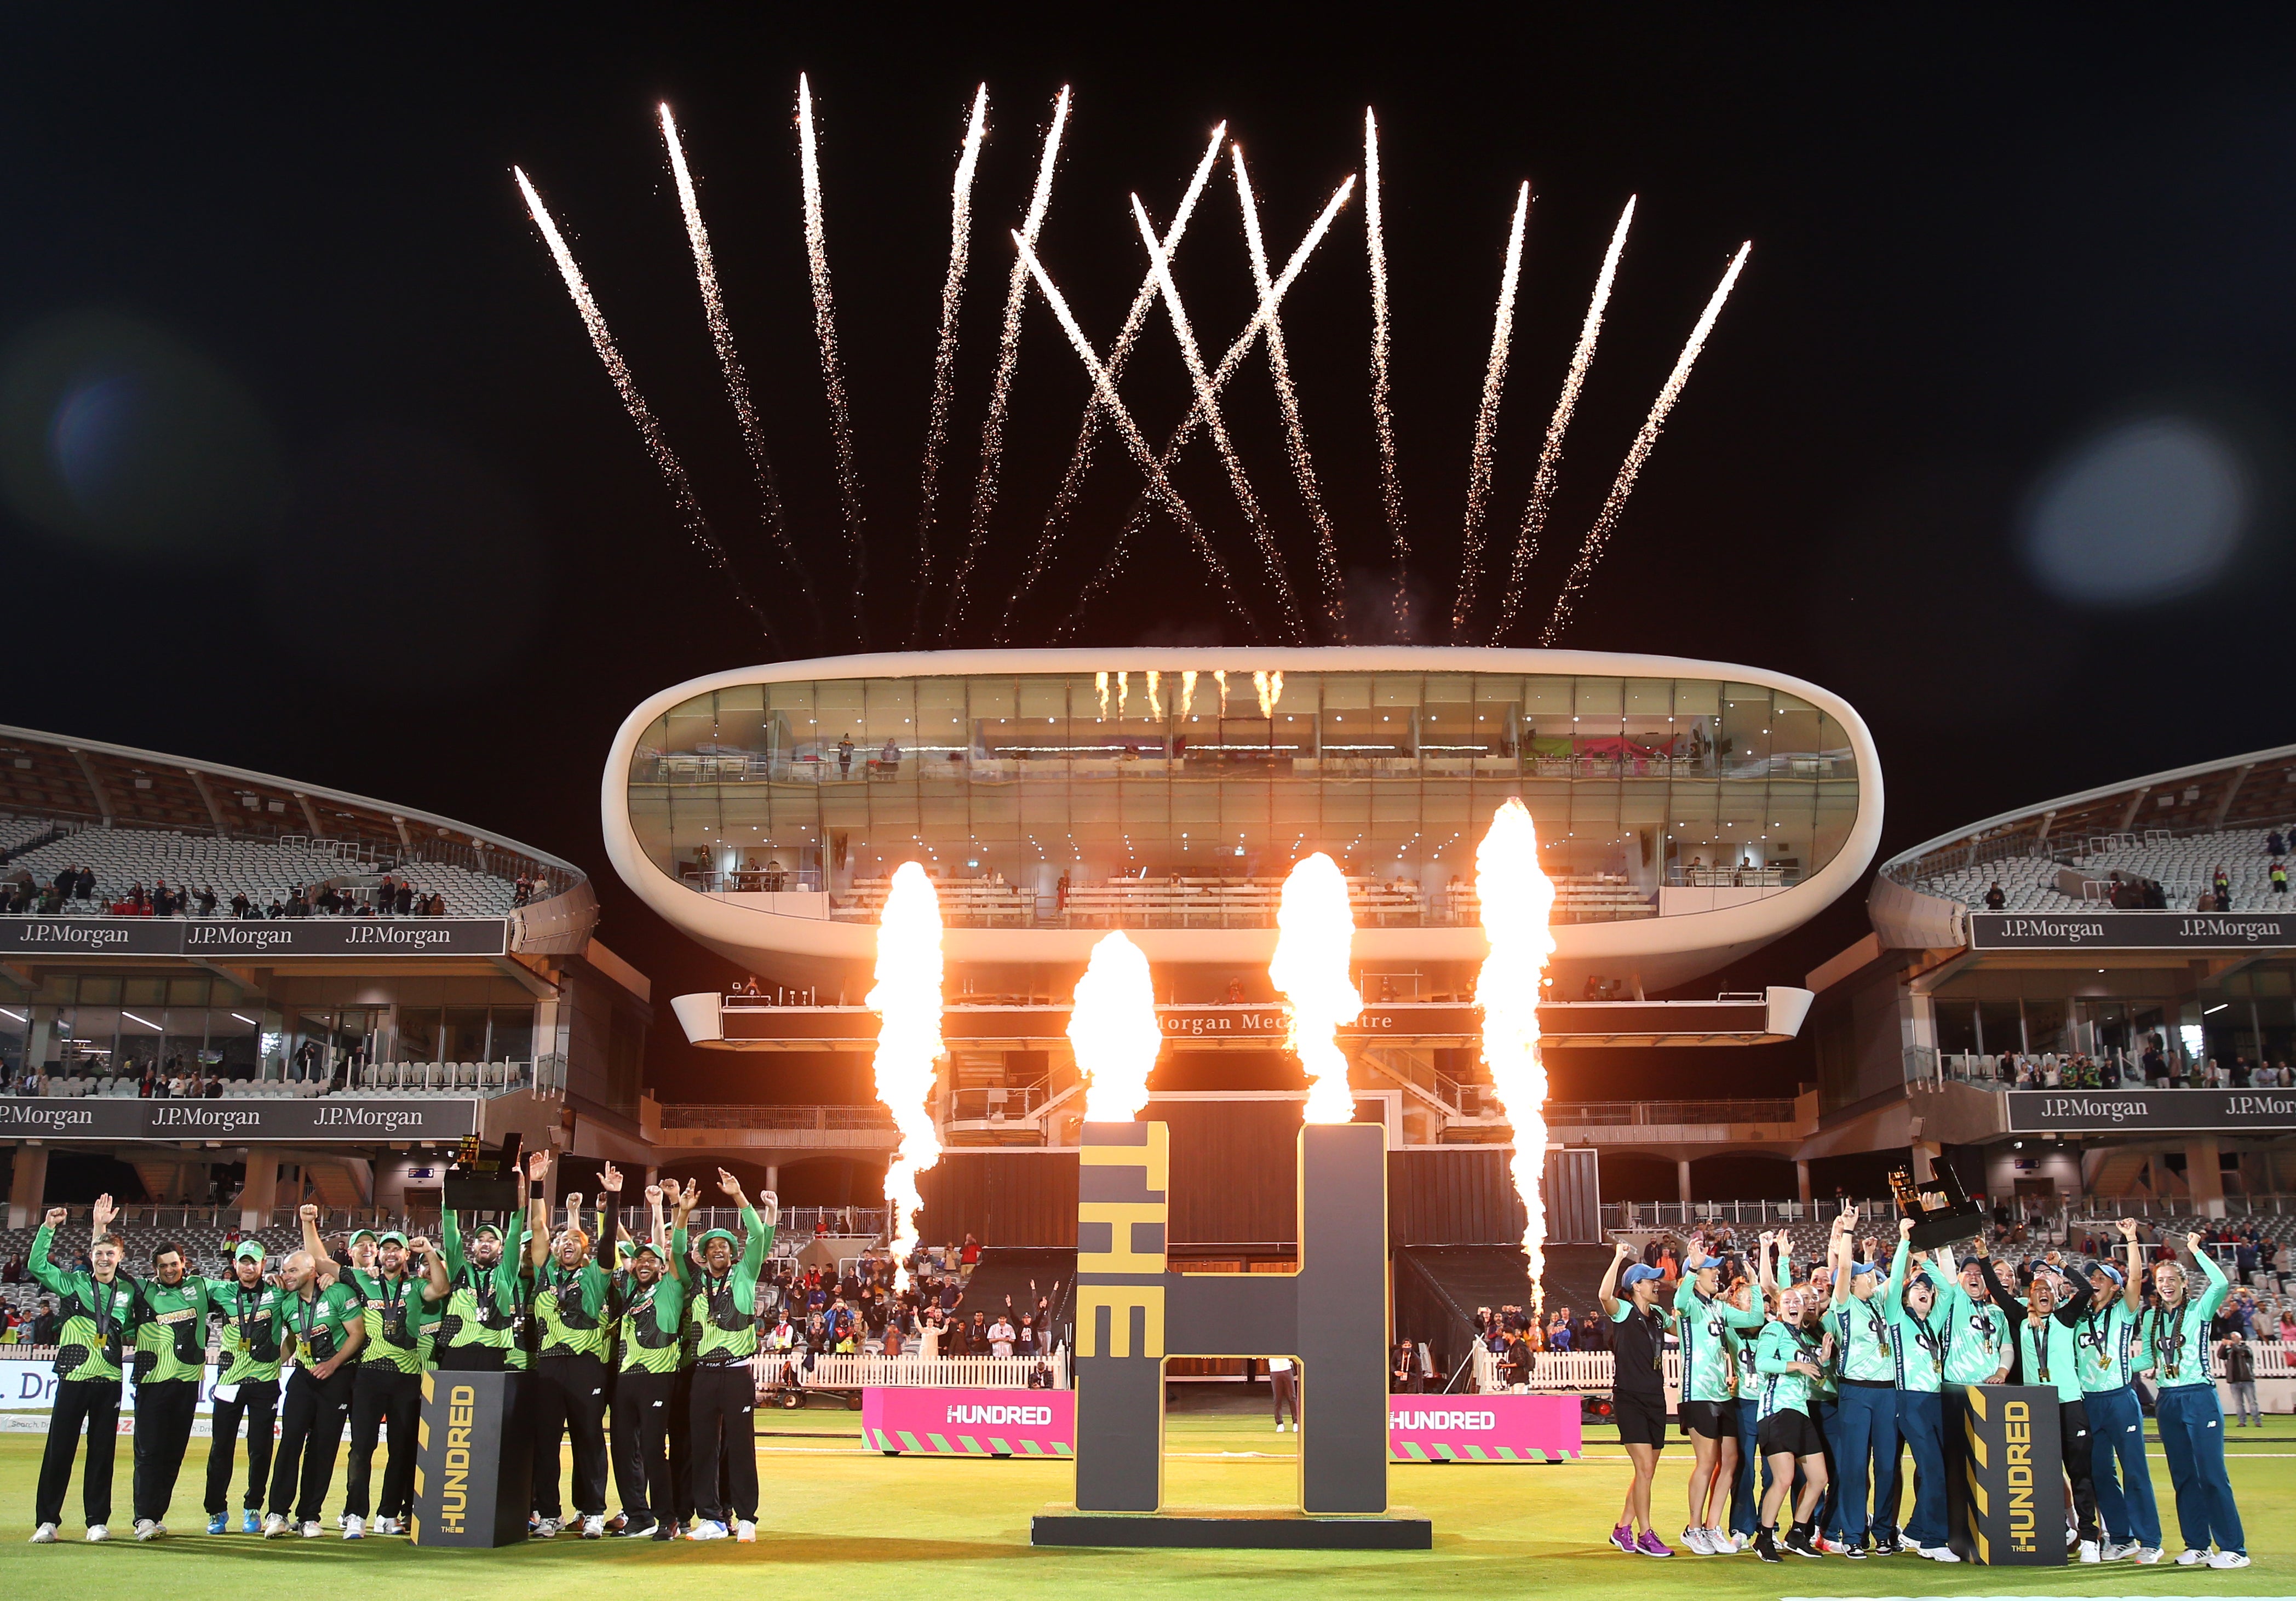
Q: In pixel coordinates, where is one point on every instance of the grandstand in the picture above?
(2184, 866)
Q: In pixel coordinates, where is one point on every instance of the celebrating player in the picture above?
(724, 1298)
(387, 1389)
(573, 1303)
(326, 1328)
(1867, 1419)
(1792, 1363)
(97, 1307)
(1709, 1405)
(2175, 1354)
(171, 1354)
(1638, 1329)
(2106, 1337)
(252, 1310)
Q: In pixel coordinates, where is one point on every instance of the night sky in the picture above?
(306, 464)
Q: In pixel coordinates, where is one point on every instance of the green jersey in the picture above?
(652, 1332)
(94, 1318)
(399, 1320)
(1780, 1348)
(726, 1308)
(1864, 1336)
(2176, 1343)
(2106, 1338)
(483, 1303)
(320, 1323)
(576, 1310)
(171, 1331)
(254, 1324)
(1978, 1337)
(1922, 1342)
(1704, 1325)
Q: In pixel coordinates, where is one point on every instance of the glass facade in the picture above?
(1180, 797)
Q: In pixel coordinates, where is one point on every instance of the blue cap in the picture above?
(2109, 1270)
(1857, 1269)
(1638, 1274)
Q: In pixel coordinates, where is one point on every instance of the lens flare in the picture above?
(907, 1001)
(1486, 423)
(1518, 901)
(1316, 934)
(1115, 1030)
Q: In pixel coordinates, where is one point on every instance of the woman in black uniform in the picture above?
(1638, 1327)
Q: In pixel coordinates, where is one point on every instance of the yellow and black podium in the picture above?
(2005, 1475)
(474, 1474)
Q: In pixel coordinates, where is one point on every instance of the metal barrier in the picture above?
(856, 1370)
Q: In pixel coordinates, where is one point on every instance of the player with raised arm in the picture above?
(387, 1384)
(1866, 1422)
(480, 1289)
(650, 1340)
(97, 1309)
(2191, 1416)
(2048, 1355)
(573, 1301)
(1638, 1329)
(1705, 1318)
(171, 1355)
(325, 1328)
(2106, 1337)
(1924, 1335)
(724, 1300)
(1790, 1363)
(253, 1312)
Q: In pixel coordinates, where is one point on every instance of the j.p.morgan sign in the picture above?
(233, 1118)
(2131, 931)
(2106, 1111)
(228, 937)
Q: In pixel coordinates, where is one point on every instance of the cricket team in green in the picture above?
(1825, 1383)
(645, 1364)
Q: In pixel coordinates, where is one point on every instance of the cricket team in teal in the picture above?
(1819, 1388)
(645, 1365)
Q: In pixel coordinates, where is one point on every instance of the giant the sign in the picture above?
(235, 1118)
(2115, 1111)
(2108, 930)
(228, 938)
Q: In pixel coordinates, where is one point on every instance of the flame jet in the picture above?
(1315, 936)
(1518, 902)
(1115, 1030)
(907, 1000)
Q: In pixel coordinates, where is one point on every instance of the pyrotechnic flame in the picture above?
(907, 1000)
(1550, 454)
(1123, 692)
(1100, 684)
(1080, 458)
(1115, 1030)
(1487, 421)
(729, 363)
(1518, 901)
(665, 460)
(944, 390)
(1383, 410)
(833, 372)
(1187, 691)
(1220, 679)
(1155, 705)
(1208, 402)
(1270, 689)
(1008, 358)
(1315, 935)
(1639, 452)
(1295, 431)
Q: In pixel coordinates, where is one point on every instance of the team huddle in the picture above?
(1826, 1384)
(645, 1364)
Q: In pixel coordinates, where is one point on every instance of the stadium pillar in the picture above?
(773, 1176)
(28, 1185)
(1801, 1182)
(2204, 1174)
(1682, 1180)
(258, 1197)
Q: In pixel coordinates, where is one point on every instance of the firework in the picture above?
(1487, 421)
(952, 296)
(729, 362)
(1550, 454)
(1518, 901)
(832, 374)
(907, 1001)
(1315, 936)
(665, 459)
(1383, 410)
(1591, 551)
(1115, 1032)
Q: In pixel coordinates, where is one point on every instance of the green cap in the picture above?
(361, 1233)
(493, 1229)
(647, 1246)
(391, 1237)
(250, 1251)
(725, 1235)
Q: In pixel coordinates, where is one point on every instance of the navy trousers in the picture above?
(1868, 1424)
(2116, 1426)
(2192, 1433)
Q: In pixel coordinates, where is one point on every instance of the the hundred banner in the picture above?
(474, 1479)
(2004, 1479)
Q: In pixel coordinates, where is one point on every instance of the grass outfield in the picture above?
(839, 1520)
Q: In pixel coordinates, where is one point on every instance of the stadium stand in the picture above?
(263, 870)
(2185, 866)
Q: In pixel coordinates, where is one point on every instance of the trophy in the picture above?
(480, 1183)
(1941, 1212)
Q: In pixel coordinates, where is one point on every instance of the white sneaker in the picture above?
(311, 1528)
(1695, 1537)
(2229, 1559)
(745, 1533)
(2190, 1558)
(273, 1526)
(1940, 1553)
(706, 1528)
(2118, 1550)
(44, 1535)
(148, 1529)
(2088, 1551)
(97, 1533)
(546, 1529)
(387, 1525)
(593, 1526)
(2146, 1555)
(1742, 1542)
(354, 1527)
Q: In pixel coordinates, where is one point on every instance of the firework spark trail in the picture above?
(952, 296)
(1486, 423)
(1550, 454)
(729, 362)
(1517, 901)
(1227, 368)
(1119, 353)
(665, 459)
(1591, 551)
(1382, 411)
(832, 375)
(1159, 484)
(1008, 358)
(1207, 403)
(1295, 431)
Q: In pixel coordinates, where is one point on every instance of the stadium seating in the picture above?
(263, 870)
(404, 1080)
(2183, 868)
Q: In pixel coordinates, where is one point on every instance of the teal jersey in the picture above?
(724, 1309)
(95, 1319)
(2106, 1339)
(320, 1323)
(253, 1323)
(171, 1331)
(1921, 1342)
(1784, 1392)
(2175, 1344)
(1703, 1325)
(1865, 1338)
(2050, 1356)
(1978, 1340)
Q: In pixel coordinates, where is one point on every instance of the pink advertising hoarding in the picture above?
(905, 1419)
(1482, 1428)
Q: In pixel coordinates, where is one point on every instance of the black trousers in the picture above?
(311, 1419)
(259, 1405)
(164, 1410)
(2078, 1448)
(569, 1399)
(724, 1437)
(681, 1446)
(645, 1469)
(93, 1404)
(381, 1393)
